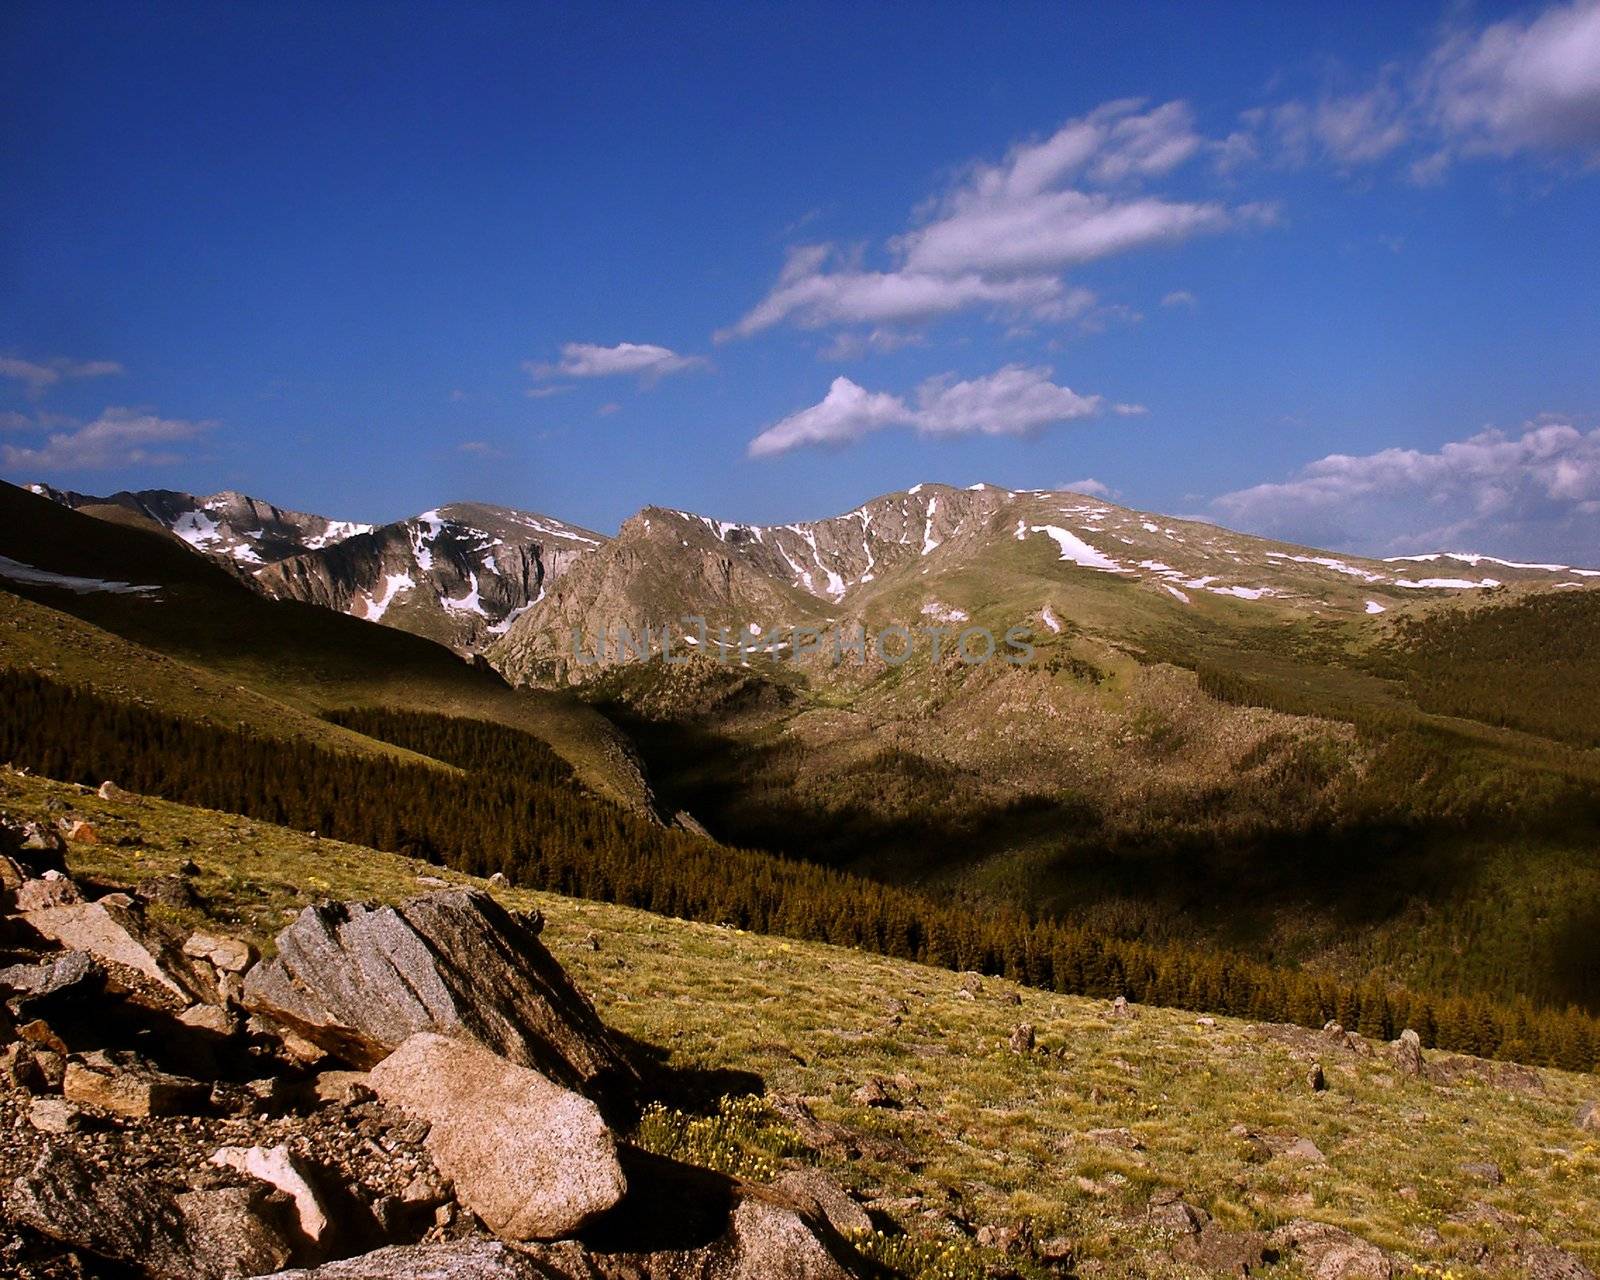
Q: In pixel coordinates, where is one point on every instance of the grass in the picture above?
(990, 1136)
(211, 647)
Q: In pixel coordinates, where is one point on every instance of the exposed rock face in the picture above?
(358, 981)
(459, 574)
(115, 931)
(125, 1218)
(278, 1169)
(817, 1193)
(1332, 1253)
(457, 1260)
(236, 1231)
(533, 1160)
(132, 1088)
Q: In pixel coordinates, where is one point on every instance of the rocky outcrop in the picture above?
(1327, 1252)
(468, 1123)
(114, 930)
(533, 1160)
(359, 980)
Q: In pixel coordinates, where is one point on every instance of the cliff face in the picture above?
(460, 574)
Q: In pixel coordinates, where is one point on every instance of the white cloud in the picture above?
(117, 438)
(1536, 492)
(1093, 488)
(1179, 298)
(1522, 84)
(818, 289)
(1013, 401)
(1125, 410)
(1000, 239)
(39, 376)
(1348, 130)
(1528, 84)
(846, 413)
(479, 449)
(627, 359)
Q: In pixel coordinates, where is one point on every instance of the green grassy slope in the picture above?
(1075, 1138)
(304, 659)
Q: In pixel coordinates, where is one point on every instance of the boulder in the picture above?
(876, 1092)
(227, 955)
(33, 847)
(36, 990)
(132, 1088)
(819, 1195)
(1170, 1212)
(1408, 1053)
(456, 1260)
(1327, 1252)
(118, 1216)
(115, 931)
(111, 791)
(54, 1115)
(535, 1161)
(237, 1231)
(1316, 1081)
(1022, 1038)
(1483, 1171)
(1588, 1117)
(358, 980)
(1217, 1251)
(278, 1168)
(52, 889)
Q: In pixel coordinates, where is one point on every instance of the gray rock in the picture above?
(54, 1115)
(115, 931)
(121, 1217)
(1022, 1038)
(1588, 1117)
(229, 955)
(1483, 1171)
(533, 1160)
(1316, 1081)
(819, 1194)
(1408, 1053)
(1327, 1252)
(358, 980)
(236, 1231)
(457, 1260)
(67, 978)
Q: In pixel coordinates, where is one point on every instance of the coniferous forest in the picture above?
(504, 802)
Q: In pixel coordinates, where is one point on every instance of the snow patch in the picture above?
(1075, 549)
(17, 571)
(393, 585)
(1050, 619)
(1328, 562)
(1374, 607)
(1447, 584)
(1182, 595)
(944, 612)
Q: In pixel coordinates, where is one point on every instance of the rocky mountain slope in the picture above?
(460, 574)
(189, 637)
(939, 555)
(887, 1115)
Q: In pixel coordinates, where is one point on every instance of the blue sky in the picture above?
(1325, 271)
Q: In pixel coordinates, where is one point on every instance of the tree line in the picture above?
(514, 807)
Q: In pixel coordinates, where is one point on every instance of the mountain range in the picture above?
(485, 578)
(1359, 765)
